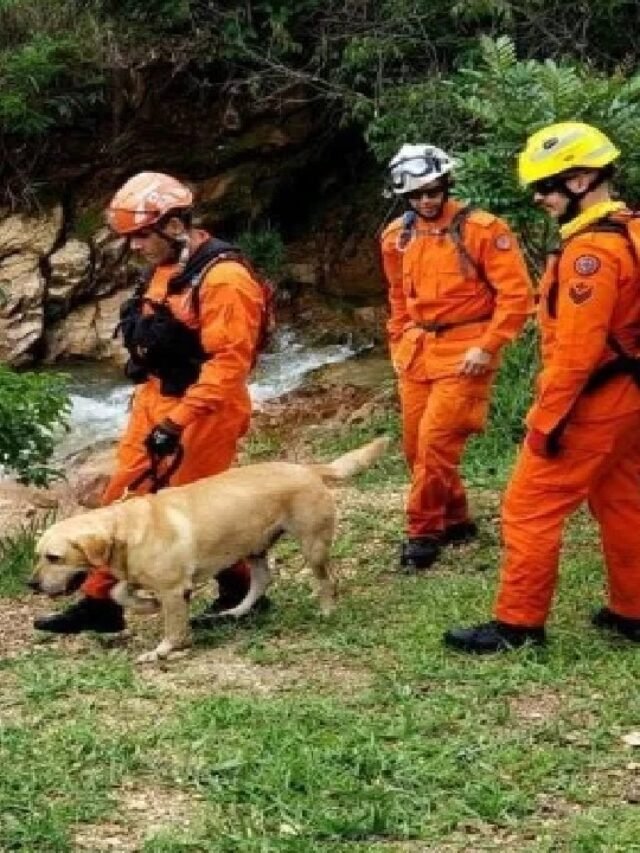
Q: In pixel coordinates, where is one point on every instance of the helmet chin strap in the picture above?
(573, 208)
(179, 247)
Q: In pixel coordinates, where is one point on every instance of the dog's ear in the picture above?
(96, 548)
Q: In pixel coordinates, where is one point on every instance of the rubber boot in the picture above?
(626, 626)
(419, 553)
(460, 533)
(88, 614)
(491, 637)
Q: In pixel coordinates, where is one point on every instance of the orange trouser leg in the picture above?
(438, 418)
(615, 502)
(209, 448)
(541, 495)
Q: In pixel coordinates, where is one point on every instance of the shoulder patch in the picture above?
(503, 241)
(586, 264)
(580, 292)
(481, 217)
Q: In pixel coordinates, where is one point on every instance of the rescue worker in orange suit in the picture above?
(583, 441)
(458, 292)
(195, 397)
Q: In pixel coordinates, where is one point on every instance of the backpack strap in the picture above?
(468, 264)
(227, 253)
(207, 256)
(623, 364)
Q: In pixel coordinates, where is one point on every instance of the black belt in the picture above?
(438, 328)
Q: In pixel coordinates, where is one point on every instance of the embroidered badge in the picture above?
(586, 265)
(503, 241)
(580, 292)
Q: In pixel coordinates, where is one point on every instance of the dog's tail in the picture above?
(353, 462)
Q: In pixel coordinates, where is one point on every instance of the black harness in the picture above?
(624, 364)
(468, 264)
(158, 343)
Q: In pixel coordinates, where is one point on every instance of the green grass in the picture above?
(358, 732)
(17, 556)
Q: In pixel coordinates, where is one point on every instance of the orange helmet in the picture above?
(144, 200)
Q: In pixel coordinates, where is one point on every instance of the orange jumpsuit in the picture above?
(589, 292)
(487, 298)
(215, 411)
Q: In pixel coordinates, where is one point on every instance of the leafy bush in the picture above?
(49, 70)
(17, 555)
(492, 453)
(487, 109)
(33, 408)
(265, 249)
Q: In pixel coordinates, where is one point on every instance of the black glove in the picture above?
(163, 440)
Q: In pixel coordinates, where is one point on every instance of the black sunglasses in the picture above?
(546, 186)
(429, 192)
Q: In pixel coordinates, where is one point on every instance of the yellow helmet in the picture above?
(562, 146)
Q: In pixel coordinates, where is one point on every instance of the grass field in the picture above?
(354, 733)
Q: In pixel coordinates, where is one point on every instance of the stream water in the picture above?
(100, 396)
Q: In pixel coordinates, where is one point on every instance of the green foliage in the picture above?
(490, 455)
(486, 110)
(48, 65)
(265, 249)
(356, 733)
(33, 85)
(33, 407)
(17, 551)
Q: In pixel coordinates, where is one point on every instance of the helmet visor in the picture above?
(414, 167)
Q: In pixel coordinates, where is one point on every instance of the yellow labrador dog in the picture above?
(171, 541)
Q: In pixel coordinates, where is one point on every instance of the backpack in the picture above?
(215, 252)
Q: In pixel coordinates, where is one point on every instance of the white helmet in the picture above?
(416, 165)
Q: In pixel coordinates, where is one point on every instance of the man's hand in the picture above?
(163, 440)
(476, 361)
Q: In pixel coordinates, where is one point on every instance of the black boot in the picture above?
(88, 614)
(460, 533)
(418, 553)
(493, 637)
(210, 616)
(626, 626)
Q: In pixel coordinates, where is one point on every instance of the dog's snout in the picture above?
(34, 584)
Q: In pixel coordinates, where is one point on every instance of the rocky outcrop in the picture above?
(87, 333)
(25, 243)
(59, 297)
(61, 274)
(70, 272)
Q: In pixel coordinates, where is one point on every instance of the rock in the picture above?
(373, 318)
(21, 310)
(88, 476)
(24, 242)
(87, 332)
(111, 271)
(30, 235)
(71, 271)
(22, 505)
(301, 273)
(82, 489)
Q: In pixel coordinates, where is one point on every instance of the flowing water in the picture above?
(100, 396)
